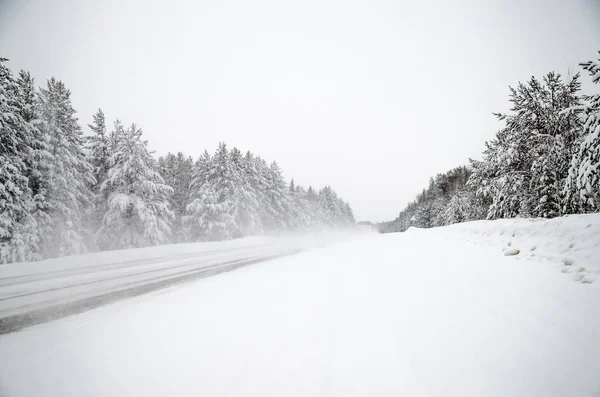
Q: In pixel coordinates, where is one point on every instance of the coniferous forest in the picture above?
(65, 192)
(544, 162)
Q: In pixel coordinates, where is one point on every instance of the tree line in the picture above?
(64, 193)
(544, 162)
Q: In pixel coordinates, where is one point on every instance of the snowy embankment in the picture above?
(438, 312)
(570, 244)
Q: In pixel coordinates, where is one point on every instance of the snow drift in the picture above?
(570, 243)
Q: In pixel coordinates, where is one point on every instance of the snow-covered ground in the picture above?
(439, 312)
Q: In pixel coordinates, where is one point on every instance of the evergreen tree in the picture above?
(246, 209)
(38, 162)
(137, 212)
(17, 240)
(582, 189)
(98, 146)
(209, 214)
(177, 171)
(526, 166)
(281, 212)
(99, 158)
(69, 175)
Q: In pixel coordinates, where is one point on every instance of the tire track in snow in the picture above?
(17, 322)
(73, 271)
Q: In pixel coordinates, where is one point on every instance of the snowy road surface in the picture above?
(34, 293)
(440, 312)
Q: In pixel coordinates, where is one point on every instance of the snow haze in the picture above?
(337, 92)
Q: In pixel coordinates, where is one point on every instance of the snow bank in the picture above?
(570, 243)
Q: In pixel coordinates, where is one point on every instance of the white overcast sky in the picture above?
(370, 97)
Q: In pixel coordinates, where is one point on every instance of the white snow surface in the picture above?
(437, 312)
(29, 287)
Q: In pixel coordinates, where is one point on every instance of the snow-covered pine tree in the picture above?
(115, 136)
(465, 206)
(282, 213)
(99, 157)
(329, 202)
(524, 168)
(261, 185)
(582, 188)
(555, 134)
(209, 213)
(222, 179)
(69, 175)
(137, 213)
(195, 222)
(246, 210)
(38, 162)
(39, 158)
(311, 195)
(18, 240)
(177, 171)
(306, 217)
(98, 146)
(349, 214)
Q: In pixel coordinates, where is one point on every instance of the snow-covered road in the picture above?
(38, 292)
(439, 312)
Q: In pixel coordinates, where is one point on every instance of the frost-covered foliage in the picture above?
(177, 172)
(524, 169)
(447, 200)
(64, 193)
(137, 211)
(18, 240)
(69, 175)
(582, 189)
(545, 162)
(233, 195)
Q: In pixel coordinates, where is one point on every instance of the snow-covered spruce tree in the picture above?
(464, 206)
(196, 219)
(39, 159)
(281, 214)
(18, 240)
(582, 188)
(209, 215)
(525, 167)
(117, 133)
(331, 205)
(316, 214)
(448, 199)
(556, 135)
(38, 162)
(261, 184)
(177, 171)
(302, 206)
(137, 211)
(98, 147)
(246, 211)
(222, 179)
(70, 174)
